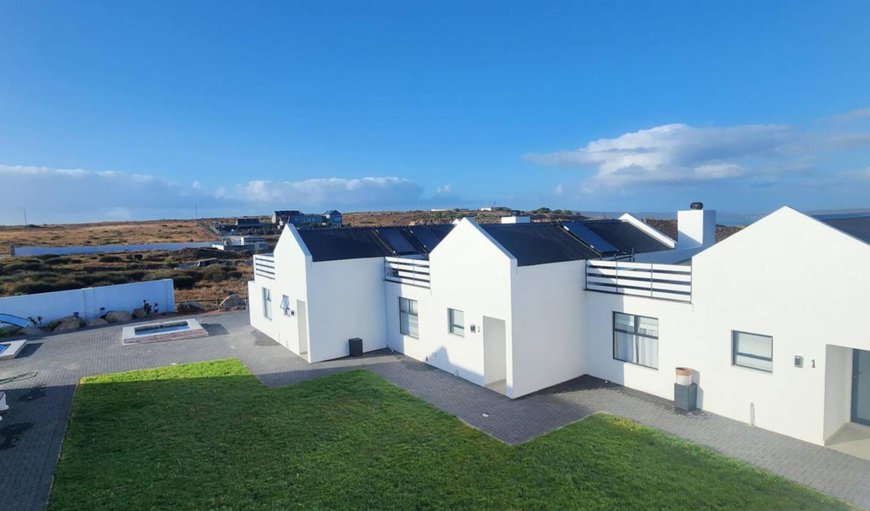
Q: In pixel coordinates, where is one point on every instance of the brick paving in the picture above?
(32, 431)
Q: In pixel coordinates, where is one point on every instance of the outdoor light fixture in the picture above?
(798, 361)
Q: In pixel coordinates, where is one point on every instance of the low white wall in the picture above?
(98, 249)
(88, 301)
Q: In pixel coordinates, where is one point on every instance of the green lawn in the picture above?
(210, 436)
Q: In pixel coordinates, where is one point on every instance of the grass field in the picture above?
(210, 436)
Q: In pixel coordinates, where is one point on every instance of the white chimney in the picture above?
(696, 227)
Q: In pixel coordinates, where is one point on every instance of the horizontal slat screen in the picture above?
(264, 266)
(404, 270)
(661, 281)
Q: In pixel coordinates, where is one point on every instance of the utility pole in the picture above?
(25, 216)
(196, 212)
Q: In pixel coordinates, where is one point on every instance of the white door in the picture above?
(301, 313)
(494, 351)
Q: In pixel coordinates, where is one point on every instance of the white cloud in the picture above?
(331, 192)
(53, 195)
(678, 152)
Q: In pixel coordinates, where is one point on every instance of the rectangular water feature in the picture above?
(163, 331)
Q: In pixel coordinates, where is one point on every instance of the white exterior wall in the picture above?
(547, 318)
(469, 272)
(87, 301)
(343, 299)
(787, 276)
(292, 261)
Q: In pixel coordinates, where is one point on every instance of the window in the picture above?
(267, 303)
(408, 318)
(285, 304)
(636, 339)
(456, 322)
(753, 351)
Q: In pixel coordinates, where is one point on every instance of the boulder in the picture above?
(30, 331)
(98, 322)
(139, 313)
(190, 308)
(118, 316)
(68, 323)
(232, 302)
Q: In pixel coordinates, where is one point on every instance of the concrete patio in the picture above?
(49, 368)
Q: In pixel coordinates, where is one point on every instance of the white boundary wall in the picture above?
(99, 249)
(87, 301)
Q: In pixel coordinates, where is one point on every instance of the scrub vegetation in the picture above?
(210, 436)
(227, 272)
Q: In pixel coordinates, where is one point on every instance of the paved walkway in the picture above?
(32, 431)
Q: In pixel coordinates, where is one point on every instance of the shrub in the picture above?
(110, 259)
(19, 266)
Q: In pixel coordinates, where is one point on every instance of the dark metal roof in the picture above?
(857, 226)
(364, 242)
(622, 237)
(539, 243)
(338, 244)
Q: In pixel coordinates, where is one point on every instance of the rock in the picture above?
(190, 308)
(30, 331)
(8, 330)
(98, 322)
(68, 323)
(231, 302)
(118, 316)
(139, 313)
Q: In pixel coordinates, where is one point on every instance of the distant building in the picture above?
(330, 218)
(247, 222)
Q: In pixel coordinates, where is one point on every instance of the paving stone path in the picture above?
(32, 431)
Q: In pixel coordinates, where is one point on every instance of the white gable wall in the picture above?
(292, 264)
(469, 272)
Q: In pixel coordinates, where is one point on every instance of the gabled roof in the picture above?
(539, 243)
(615, 237)
(857, 226)
(364, 242)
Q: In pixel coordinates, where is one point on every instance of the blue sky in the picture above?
(112, 110)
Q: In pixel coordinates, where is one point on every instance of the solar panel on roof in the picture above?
(589, 237)
(430, 236)
(397, 240)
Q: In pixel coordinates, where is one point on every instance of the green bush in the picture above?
(110, 259)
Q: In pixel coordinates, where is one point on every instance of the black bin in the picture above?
(354, 347)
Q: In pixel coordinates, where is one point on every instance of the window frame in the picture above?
(735, 353)
(409, 313)
(285, 304)
(635, 333)
(267, 303)
(452, 326)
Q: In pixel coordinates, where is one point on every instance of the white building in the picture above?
(766, 318)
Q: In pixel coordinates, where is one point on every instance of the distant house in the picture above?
(769, 320)
(330, 218)
(247, 222)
